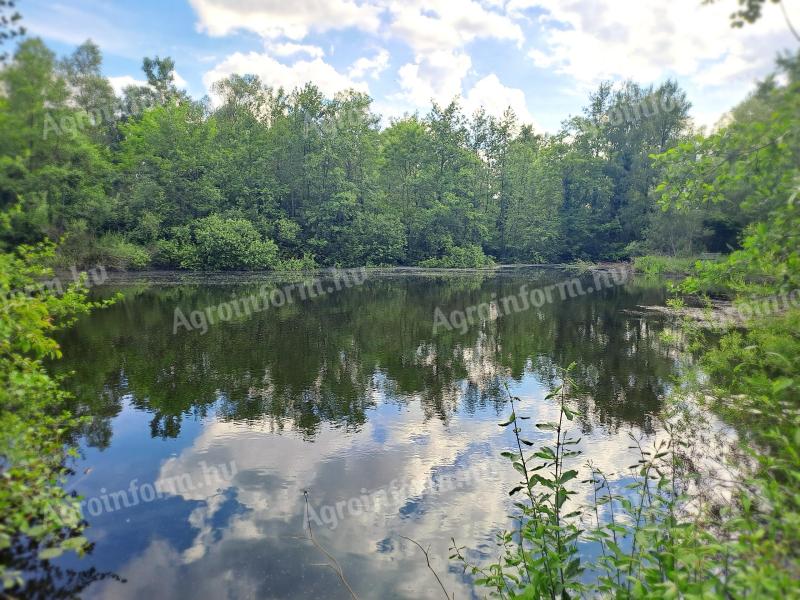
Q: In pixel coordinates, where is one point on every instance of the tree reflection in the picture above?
(327, 359)
(45, 579)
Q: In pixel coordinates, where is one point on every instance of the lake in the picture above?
(204, 437)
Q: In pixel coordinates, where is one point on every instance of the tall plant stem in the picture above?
(527, 476)
(527, 484)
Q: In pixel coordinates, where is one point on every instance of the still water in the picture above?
(201, 445)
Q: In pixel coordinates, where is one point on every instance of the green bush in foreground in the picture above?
(39, 520)
(646, 550)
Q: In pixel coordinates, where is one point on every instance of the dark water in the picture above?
(350, 395)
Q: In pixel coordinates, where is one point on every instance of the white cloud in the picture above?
(290, 49)
(435, 76)
(437, 25)
(289, 76)
(274, 18)
(180, 82)
(583, 43)
(494, 97)
(438, 76)
(123, 81)
(438, 32)
(371, 67)
(648, 40)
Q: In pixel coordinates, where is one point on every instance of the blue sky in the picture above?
(541, 57)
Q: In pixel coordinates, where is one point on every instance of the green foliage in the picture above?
(647, 547)
(39, 520)
(115, 252)
(306, 263)
(175, 252)
(460, 257)
(656, 266)
(222, 244)
(318, 176)
(753, 163)
(81, 248)
(9, 24)
(760, 371)
(540, 559)
(653, 536)
(750, 378)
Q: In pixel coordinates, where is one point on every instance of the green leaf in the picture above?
(567, 476)
(515, 489)
(511, 419)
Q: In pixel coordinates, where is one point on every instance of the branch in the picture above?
(334, 564)
(428, 560)
(788, 22)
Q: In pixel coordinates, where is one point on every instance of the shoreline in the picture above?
(182, 276)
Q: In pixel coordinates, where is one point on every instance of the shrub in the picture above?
(304, 263)
(381, 239)
(177, 251)
(230, 244)
(170, 254)
(39, 518)
(654, 265)
(470, 256)
(80, 248)
(115, 252)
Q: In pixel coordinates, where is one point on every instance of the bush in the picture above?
(175, 252)
(653, 265)
(171, 254)
(115, 252)
(381, 239)
(470, 256)
(80, 248)
(657, 534)
(230, 244)
(304, 263)
(39, 518)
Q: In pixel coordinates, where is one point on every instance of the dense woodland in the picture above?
(264, 178)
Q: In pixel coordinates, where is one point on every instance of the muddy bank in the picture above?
(721, 313)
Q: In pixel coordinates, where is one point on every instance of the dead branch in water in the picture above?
(428, 560)
(333, 564)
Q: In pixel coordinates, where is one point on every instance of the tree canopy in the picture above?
(155, 179)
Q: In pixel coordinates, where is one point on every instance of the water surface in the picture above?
(350, 396)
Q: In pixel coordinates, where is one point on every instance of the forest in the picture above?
(261, 178)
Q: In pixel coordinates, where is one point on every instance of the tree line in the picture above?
(266, 178)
